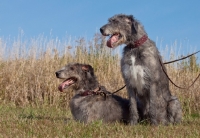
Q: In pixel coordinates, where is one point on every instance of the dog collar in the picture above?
(96, 91)
(90, 92)
(140, 41)
(86, 93)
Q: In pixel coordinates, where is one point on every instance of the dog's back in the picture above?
(97, 107)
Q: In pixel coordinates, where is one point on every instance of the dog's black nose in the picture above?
(57, 74)
(102, 30)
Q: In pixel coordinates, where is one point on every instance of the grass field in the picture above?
(31, 105)
(54, 122)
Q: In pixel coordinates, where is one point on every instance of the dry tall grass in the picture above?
(27, 71)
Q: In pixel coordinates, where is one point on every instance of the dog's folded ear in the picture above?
(129, 19)
(134, 25)
(86, 68)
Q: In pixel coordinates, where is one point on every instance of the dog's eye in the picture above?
(72, 68)
(116, 21)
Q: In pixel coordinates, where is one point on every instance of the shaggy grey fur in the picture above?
(87, 108)
(142, 72)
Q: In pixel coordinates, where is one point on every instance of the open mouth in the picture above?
(114, 40)
(65, 84)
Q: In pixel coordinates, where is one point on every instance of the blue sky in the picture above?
(165, 21)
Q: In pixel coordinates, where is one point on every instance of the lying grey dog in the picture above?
(143, 71)
(91, 101)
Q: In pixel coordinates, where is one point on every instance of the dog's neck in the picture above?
(89, 92)
(138, 42)
(89, 85)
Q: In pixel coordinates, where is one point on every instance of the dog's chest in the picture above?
(133, 73)
(78, 106)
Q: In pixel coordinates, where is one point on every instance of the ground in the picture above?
(57, 122)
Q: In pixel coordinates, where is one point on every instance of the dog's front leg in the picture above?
(133, 106)
(153, 105)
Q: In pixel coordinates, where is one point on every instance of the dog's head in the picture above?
(121, 28)
(75, 75)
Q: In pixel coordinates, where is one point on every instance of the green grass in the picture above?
(57, 122)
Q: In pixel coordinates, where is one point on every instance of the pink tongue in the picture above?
(63, 85)
(112, 40)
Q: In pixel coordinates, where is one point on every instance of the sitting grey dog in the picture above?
(143, 71)
(91, 101)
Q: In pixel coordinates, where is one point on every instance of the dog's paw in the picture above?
(133, 122)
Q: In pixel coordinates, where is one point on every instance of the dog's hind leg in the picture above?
(174, 110)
